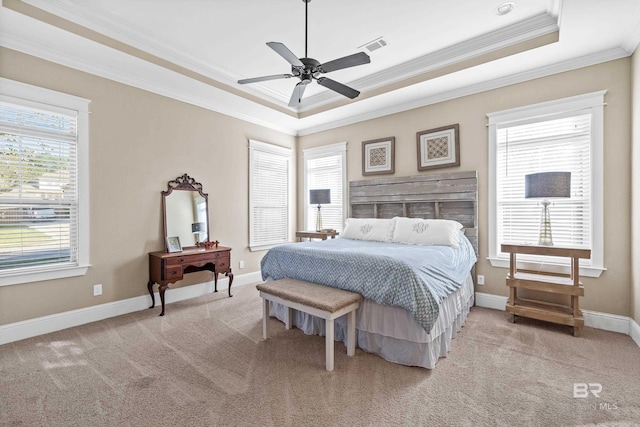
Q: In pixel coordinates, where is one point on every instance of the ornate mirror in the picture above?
(186, 212)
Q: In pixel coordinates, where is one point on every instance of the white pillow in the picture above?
(376, 229)
(416, 231)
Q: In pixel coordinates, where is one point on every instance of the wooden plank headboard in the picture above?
(450, 195)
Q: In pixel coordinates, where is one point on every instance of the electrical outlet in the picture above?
(241, 264)
(480, 279)
(97, 290)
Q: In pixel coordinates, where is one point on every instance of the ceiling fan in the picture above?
(308, 69)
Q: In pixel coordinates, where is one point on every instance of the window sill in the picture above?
(548, 267)
(30, 276)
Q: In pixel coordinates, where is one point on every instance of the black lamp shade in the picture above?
(320, 197)
(546, 185)
(197, 227)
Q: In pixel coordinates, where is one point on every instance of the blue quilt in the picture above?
(414, 277)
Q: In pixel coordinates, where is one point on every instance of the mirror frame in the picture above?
(183, 183)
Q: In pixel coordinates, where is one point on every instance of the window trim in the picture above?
(29, 95)
(593, 101)
(324, 151)
(280, 151)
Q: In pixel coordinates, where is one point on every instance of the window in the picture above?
(43, 190)
(269, 195)
(564, 135)
(325, 168)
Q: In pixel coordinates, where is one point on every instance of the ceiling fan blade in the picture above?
(338, 87)
(284, 51)
(296, 96)
(264, 78)
(345, 62)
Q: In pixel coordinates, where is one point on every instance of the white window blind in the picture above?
(559, 144)
(565, 135)
(38, 188)
(269, 172)
(325, 169)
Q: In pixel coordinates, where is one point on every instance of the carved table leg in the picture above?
(229, 274)
(215, 281)
(162, 289)
(153, 298)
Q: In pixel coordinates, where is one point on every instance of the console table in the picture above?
(166, 268)
(568, 284)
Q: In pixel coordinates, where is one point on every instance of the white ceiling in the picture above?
(217, 42)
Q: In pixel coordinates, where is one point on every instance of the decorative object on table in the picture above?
(547, 185)
(173, 244)
(378, 156)
(439, 147)
(196, 229)
(319, 197)
(211, 245)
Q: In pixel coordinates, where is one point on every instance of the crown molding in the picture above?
(527, 29)
(573, 64)
(632, 39)
(26, 35)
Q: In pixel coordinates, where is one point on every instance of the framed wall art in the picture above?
(378, 156)
(439, 147)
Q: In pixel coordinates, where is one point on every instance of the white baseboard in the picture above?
(635, 331)
(56, 322)
(495, 302)
(593, 319)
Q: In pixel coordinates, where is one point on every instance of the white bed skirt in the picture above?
(391, 332)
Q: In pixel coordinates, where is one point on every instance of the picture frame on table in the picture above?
(173, 244)
(378, 156)
(439, 147)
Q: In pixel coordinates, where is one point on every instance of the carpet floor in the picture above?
(205, 364)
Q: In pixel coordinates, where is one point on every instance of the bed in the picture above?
(423, 293)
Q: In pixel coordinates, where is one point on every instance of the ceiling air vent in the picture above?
(374, 44)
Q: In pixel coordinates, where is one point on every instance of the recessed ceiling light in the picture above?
(505, 8)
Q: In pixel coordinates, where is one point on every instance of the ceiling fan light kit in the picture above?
(308, 69)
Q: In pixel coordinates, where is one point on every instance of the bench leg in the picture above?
(287, 319)
(351, 333)
(329, 343)
(265, 318)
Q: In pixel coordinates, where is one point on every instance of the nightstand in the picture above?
(568, 284)
(323, 235)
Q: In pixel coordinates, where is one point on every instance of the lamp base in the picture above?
(318, 220)
(545, 238)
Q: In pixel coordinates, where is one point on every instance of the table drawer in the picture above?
(222, 263)
(173, 272)
(189, 258)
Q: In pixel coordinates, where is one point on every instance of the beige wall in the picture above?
(635, 195)
(612, 291)
(138, 142)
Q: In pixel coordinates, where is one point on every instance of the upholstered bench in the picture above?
(318, 300)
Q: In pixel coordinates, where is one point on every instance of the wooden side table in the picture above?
(568, 284)
(323, 235)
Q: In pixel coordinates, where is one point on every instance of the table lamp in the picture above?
(547, 185)
(196, 229)
(319, 197)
